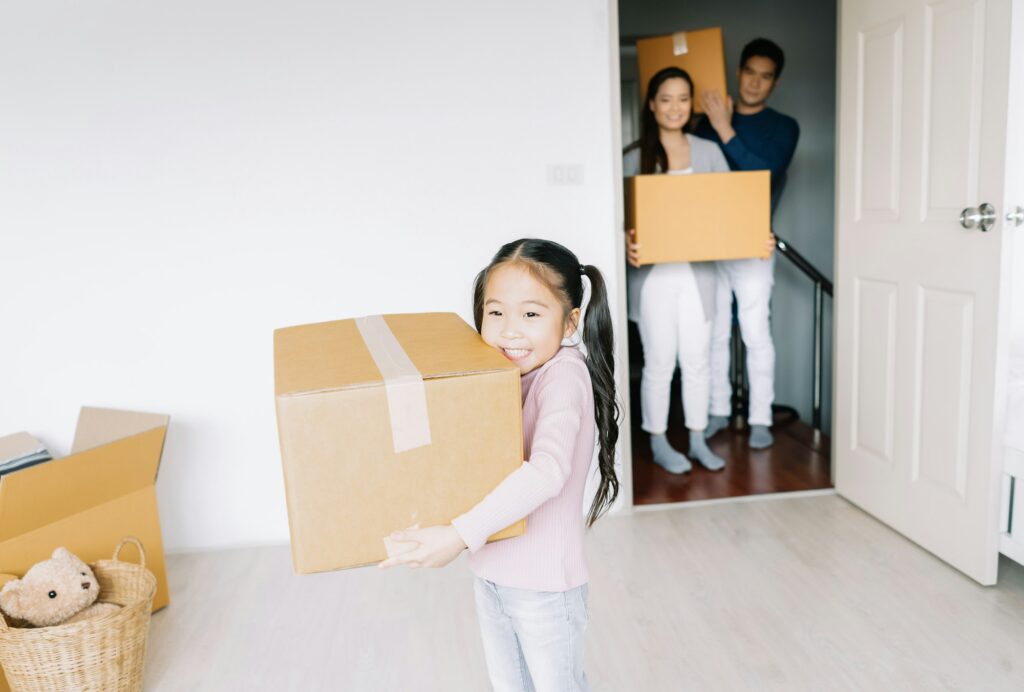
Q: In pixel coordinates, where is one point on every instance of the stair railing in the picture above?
(822, 287)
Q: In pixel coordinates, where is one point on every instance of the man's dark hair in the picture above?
(763, 48)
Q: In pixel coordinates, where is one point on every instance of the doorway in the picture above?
(799, 459)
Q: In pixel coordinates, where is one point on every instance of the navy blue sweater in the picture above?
(765, 140)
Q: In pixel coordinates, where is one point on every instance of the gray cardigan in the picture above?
(705, 157)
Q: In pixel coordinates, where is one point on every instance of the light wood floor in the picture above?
(780, 594)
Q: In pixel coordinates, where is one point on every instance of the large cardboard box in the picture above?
(386, 422)
(88, 501)
(700, 217)
(701, 53)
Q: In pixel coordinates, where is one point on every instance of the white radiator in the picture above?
(1012, 519)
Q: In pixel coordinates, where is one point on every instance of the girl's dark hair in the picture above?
(558, 269)
(652, 153)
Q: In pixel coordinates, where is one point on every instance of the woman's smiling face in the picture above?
(523, 318)
(672, 104)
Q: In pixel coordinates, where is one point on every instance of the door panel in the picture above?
(874, 368)
(922, 136)
(954, 36)
(942, 389)
(880, 95)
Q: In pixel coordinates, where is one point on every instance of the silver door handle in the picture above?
(1015, 217)
(982, 218)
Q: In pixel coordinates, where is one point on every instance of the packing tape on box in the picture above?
(403, 384)
(679, 46)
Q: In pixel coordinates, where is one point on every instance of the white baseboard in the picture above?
(726, 500)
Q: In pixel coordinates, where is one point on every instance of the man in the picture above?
(752, 137)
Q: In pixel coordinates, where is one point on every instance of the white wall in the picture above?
(179, 179)
(806, 31)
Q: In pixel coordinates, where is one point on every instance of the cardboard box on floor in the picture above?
(340, 422)
(701, 53)
(700, 217)
(88, 501)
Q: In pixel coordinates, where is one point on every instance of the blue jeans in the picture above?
(533, 640)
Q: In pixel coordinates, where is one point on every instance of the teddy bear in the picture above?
(57, 591)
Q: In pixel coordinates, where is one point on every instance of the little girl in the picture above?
(531, 591)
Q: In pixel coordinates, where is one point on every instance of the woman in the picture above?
(673, 303)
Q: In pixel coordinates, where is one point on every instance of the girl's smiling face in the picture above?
(523, 318)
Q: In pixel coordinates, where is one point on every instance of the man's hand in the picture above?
(434, 546)
(632, 248)
(719, 113)
(770, 245)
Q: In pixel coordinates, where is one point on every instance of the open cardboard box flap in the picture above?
(108, 468)
(100, 426)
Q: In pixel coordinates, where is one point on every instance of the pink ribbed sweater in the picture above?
(558, 440)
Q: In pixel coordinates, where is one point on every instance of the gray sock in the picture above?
(668, 458)
(716, 423)
(760, 437)
(699, 451)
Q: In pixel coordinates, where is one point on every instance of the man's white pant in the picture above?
(751, 280)
(676, 305)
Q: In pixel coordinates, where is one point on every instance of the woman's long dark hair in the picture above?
(559, 270)
(652, 153)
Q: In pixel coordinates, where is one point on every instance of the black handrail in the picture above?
(822, 285)
(804, 265)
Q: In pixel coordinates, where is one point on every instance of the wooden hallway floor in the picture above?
(797, 461)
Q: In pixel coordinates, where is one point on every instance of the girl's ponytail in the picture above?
(559, 269)
(600, 345)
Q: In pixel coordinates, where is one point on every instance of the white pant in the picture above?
(751, 280)
(676, 305)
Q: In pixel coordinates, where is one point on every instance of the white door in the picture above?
(922, 303)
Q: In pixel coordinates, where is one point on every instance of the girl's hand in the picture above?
(435, 546)
(770, 245)
(632, 248)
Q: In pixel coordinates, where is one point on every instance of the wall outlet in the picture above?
(565, 174)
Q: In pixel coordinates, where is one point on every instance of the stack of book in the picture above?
(21, 450)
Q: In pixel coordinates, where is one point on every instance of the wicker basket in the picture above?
(104, 653)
